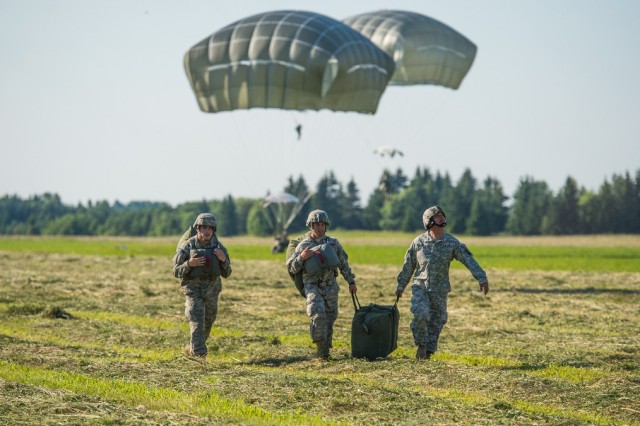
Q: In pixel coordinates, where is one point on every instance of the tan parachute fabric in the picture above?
(289, 60)
(426, 51)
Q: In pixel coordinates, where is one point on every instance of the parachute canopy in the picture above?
(288, 59)
(386, 150)
(281, 198)
(425, 51)
(282, 208)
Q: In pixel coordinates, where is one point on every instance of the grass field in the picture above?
(91, 331)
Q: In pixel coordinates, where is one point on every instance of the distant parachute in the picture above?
(290, 60)
(282, 208)
(425, 51)
(386, 150)
(280, 198)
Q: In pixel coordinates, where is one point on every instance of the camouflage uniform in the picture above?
(201, 294)
(427, 261)
(321, 288)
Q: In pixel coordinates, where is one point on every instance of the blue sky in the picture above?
(95, 104)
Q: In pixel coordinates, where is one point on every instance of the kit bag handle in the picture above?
(355, 300)
(357, 306)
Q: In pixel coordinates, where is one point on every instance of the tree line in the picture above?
(397, 204)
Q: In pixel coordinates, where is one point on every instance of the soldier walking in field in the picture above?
(199, 263)
(318, 258)
(427, 262)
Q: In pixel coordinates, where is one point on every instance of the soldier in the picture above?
(199, 263)
(319, 257)
(280, 243)
(427, 261)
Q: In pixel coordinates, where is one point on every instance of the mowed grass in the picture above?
(91, 332)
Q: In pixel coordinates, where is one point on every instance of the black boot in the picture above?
(322, 349)
(422, 352)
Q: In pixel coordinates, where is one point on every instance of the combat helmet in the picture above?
(427, 217)
(318, 216)
(206, 219)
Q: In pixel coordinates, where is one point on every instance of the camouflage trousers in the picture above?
(201, 309)
(429, 315)
(322, 309)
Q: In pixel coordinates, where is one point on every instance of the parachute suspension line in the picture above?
(365, 142)
(432, 109)
(296, 209)
(290, 138)
(292, 134)
(267, 215)
(248, 155)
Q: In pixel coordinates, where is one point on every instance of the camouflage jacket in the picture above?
(428, 259)
(180, 267)
(295, 264)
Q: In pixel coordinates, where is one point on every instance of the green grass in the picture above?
(90, 246)
(612, 259)
(544, 347)
(131, 393)
(387, 250)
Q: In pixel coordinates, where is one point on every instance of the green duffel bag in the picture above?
(324, 256)
(374, 330)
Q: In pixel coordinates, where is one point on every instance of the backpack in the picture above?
(296, 278)
(190, 232)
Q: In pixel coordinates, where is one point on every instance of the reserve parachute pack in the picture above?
(212, 267)
(324, 256)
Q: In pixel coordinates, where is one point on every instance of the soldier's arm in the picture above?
(180, 263)
(464, 255)
(344, 267)
(295, 262)
(408, 268)
(226, 265)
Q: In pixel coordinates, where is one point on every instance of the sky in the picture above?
(95, 103)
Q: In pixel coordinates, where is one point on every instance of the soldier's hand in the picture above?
(399, 293)
(484, 287)
(306, 253)
(353, 288)
(220, 255)
(196, 261)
